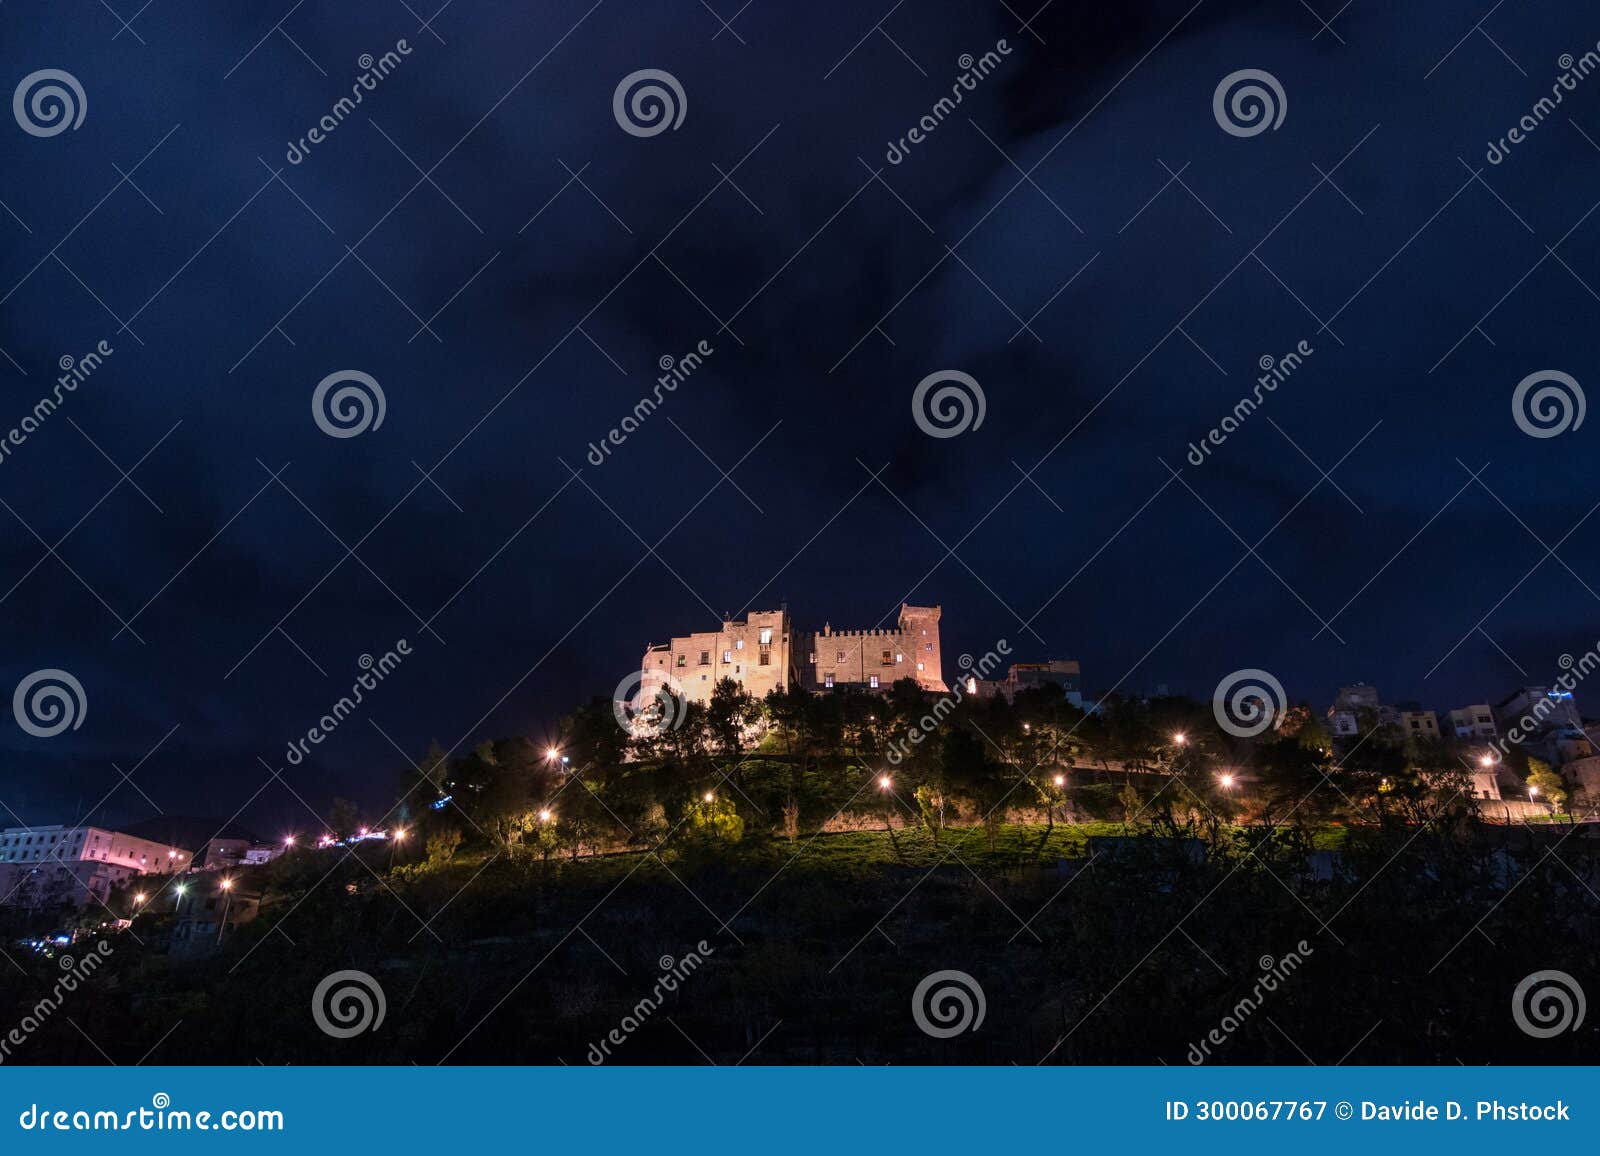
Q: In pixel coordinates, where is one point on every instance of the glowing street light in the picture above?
(885, 782)
(179, 891)
(288, 840)
(138, 898)
(1060, 780)
(709, 796)
(1179, 738)
(546, 814)
(1533, 792)
(227, 884)
(552, 754)
(399, 834)
(1226, 781)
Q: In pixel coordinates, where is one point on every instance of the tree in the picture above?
(715, 820)
(442, 847)
(732, 710)
(591, 736)
(1544, 783)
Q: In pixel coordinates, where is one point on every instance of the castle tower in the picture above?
(919, 629)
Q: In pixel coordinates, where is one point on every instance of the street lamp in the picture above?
(545, 815)
(1060, 780)
(709, 796)
(179, 891)
(138, 898)
(227, 895)
(884, 782)
(288, 841)
(1180, 738)
(1226, 781)
(552, 754)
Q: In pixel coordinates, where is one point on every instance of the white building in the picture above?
(50, 865)
(1475, 721)
(1419, 724)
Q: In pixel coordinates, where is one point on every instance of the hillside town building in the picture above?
(50, 865)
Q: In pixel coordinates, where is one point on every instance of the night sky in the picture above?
(513, 304)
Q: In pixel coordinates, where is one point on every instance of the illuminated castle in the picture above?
(762, 653)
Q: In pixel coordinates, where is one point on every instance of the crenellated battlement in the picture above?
(762, 653)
